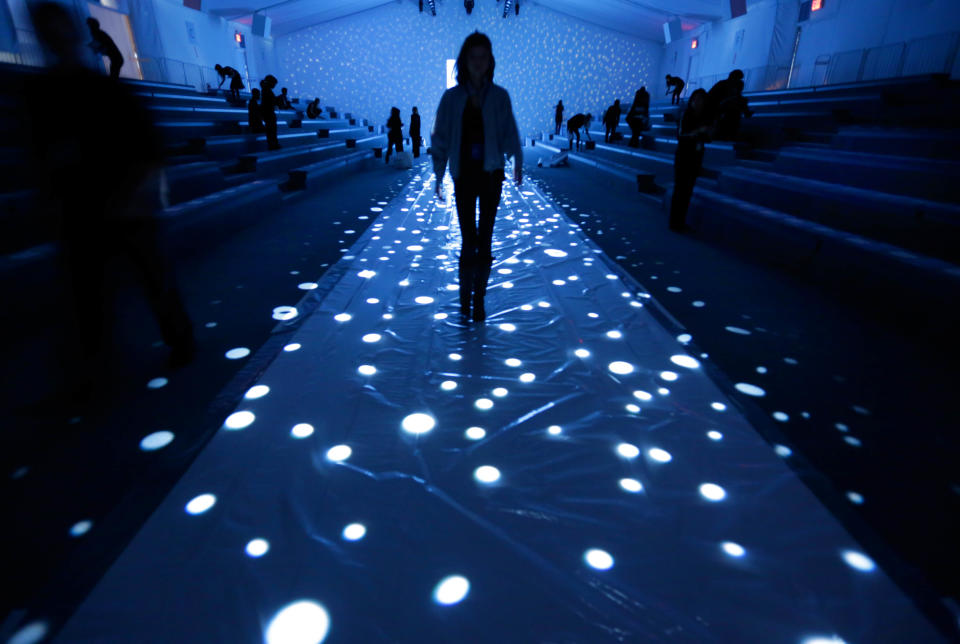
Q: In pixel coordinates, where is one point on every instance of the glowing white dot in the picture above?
(782, 451)
(611, 277)
(404, 283)
(713, 492)
(30, 634)
(307, 286)
(684, 338)
(80, 528)
(633, 409)
(440, 316)
(366, 370)
(200, 504)
(257, 391)
(371, 337)
(257, 547)
(582, 353)
(366, 274)
(737, 330)
(663, 391)
(339, 453)
(733, 549)
(833, 639)
(543, 305)
(669, 376)
(554, 252)
(239, 420)
(448, 385)
(620, 368)
(506, 326)
(659, 455)
(455, 356)
(761, 369)
(499, 392)
(593, 315)
(451, 590)
(423, 299)
(527, 377)
(614, 335)
(302, 622)
(512, 362)
(714, 435)
(285, 313)
(719, 406)
(292, 347)
(483, 403)
(628, 450)
(554, 430)
(852, 440)
(781, 416)
(699, 304)
(415, 247)
(631, 485)
(475, 433)
(507, 285)
(354, 532)
(598, 559)
(418, 423)
(236, 354)
(855, 498)
(558, 282)
(156, 440)
(858, 560)
(342, 317)
(685, 361)
(639, 394)
(373, 300)
(750, 390)
(302, 430)
(156, 383)
(526, 307)
(486, 474)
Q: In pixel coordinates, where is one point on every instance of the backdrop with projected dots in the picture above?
(395, 55)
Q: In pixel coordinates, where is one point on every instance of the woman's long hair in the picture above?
(476, 39)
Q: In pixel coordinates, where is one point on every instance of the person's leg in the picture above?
(115, 65)
(685, 176)
(490, 191)
(465, 192)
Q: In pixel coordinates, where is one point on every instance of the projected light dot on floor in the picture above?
(639, 394)
(855, 497)
(307, 286)
(852, 440)
(451, 590)
(543, 305)
(824, 639)
(157, 383)
(555, 252)
(32, 633)
(718, 406)
(200, 504)
(415, 247)
(339, 453)
(387, 316)
(527, 377)
(475, 433)
(598, 559)
(507, 285)
(237, 353)
(156, 440)
(593, 315)
(301, 622)
(526, 307)
(685, 361)
(582, 353)
(448, 385)
(631, 485)
(620, 368)
(301, 430)
(628, 450)
(80, 528)
(669, 376)
(761, 370)
(858, 561)
(841, 427)
(354, 532)
(418, 423)
(782, 451)
(684, 338)
(342, 317)
(737, 330)
(733, 549)
(512, 362)
(633, 409)
(294, 346)
(257, 547)
(366, 370)
(781, 416)
(698, 304)
(750, 390)
(371, 338)
(674, 289)
(614, 335)
(554, 430)
(659, 455)
(210, 325)
(440, 316)
(239, 420)
(506, 326)
(713, 492)
(455, 356)
(373, 300)
(423, 299)
(558, 282)
(500, 392)
(257, 391)
(283, 313)
(714, 435)
(487, 474)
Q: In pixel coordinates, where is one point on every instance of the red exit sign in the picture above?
(816, 5)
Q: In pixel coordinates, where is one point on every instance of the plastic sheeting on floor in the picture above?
(564, 473)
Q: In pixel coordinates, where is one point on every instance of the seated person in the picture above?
(313, 109)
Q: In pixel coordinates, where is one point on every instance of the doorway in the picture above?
(117, 25)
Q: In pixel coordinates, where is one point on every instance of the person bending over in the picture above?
(576, 122)
(103, 44)
(313, 109)
(236, 82)
(675, 86)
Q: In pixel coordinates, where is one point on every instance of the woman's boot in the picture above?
(466, 277)
(480, 287)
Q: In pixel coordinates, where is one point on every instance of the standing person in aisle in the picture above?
(695, 131)
(415, 132)
(558, 117)
(394, 133)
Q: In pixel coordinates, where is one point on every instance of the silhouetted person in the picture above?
(462, 135)
(283, 100)
(313, 109)
(268, 111)
(394, 133)
(726, 104)
(576, 122)
(558, 117)
(254, 117)
(415, 132)
(611, 119)
(638, 118)
(236, 81)
(675, 86)
(100, 175)
(695, 131)
(103, 44)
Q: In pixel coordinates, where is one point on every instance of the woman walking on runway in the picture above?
(474, 129)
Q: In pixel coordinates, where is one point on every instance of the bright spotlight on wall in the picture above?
(507, 5)
(468, 5)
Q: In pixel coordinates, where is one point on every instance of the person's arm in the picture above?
(223, 77)
(439, 140)
(511, 141)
